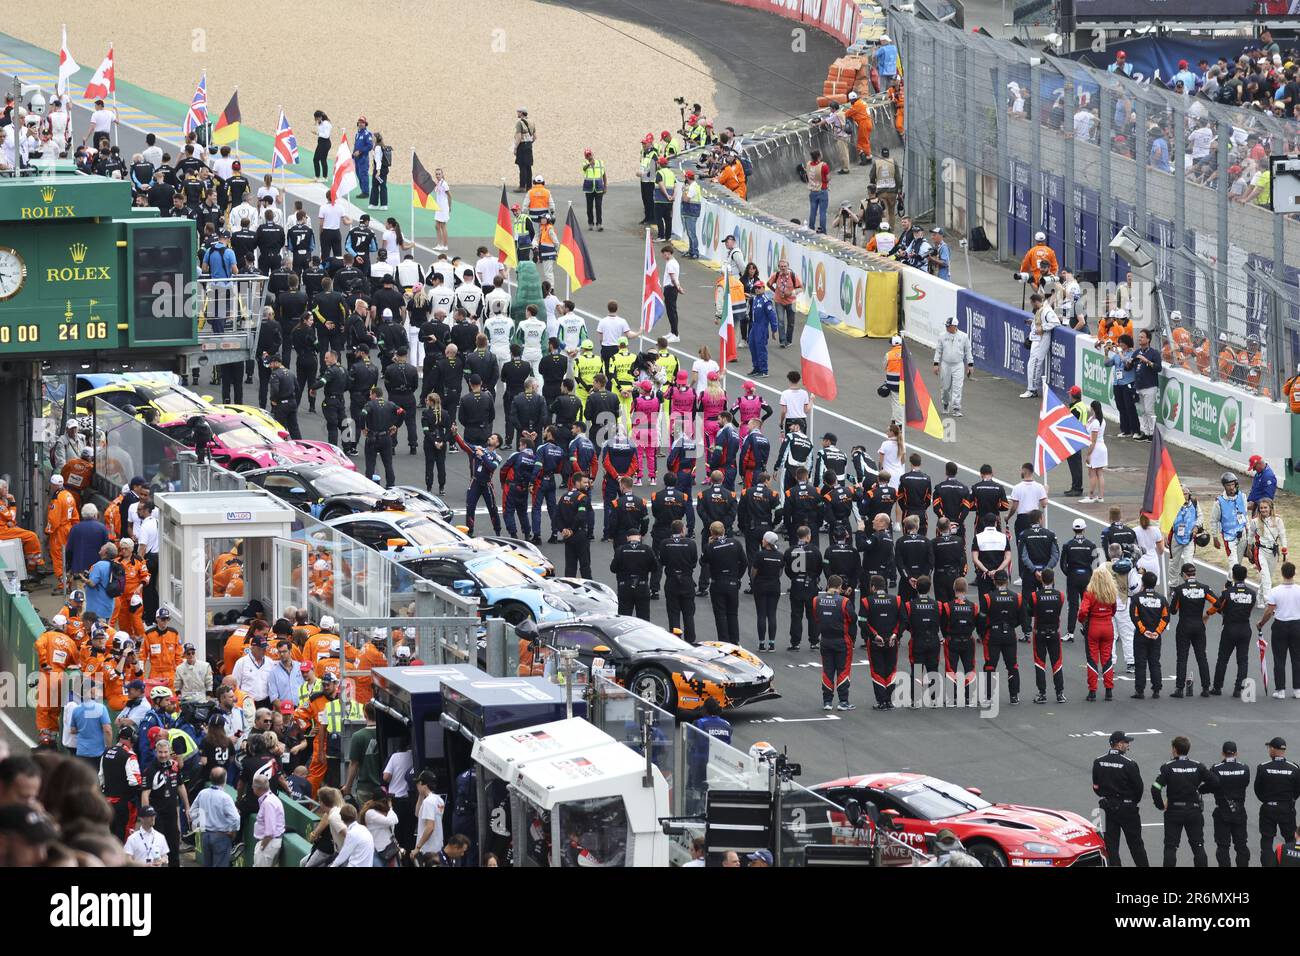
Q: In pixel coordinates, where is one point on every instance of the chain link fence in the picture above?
(1010, 141)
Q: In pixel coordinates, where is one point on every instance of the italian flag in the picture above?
(815, 357)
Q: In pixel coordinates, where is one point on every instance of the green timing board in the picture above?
(79, 272)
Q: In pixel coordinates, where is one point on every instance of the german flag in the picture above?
(1164, 492)
(422, 186)
(573, 256)
(226, 129)
(918, 406)
(504, 237)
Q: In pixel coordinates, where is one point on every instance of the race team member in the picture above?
(877, 550)
(913, 556)
(1227, 524)
(1149, 613)
(958, 619)
(755, 449)
(794, 454)
(1117, 781)
(802, 508)
(627, 515)
(1078, 557)
(575, 522)
(1187, 600)
(1235, 603)
(160, 650)
(949, 559)
(313, 717)
(724, 455)
(803, 566)
(551, 458)
(634, 567)
(1229, 814)
(722, 562)
(841, 558)
(61, 515)
(713, 503)
(921, 619)
(830, 464)
(1043, 608)
(10, 529)
(952, 499)
(618, 460)
(766, 564)
(122, 782)
(990, 553)
(1039, 552)
(483, 463)
(519, 473)
(128, 609)
(667, 507)
(1000, 616)
(915, 493)
(678, 559)
(988, 495)
(880, 623)
(1277, 785)
(835, 620)
(756, 513)
(55, 653)
(1176, 792)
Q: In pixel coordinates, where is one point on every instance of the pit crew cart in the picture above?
(577, 797)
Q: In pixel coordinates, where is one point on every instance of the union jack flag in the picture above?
(652, 292)
(197, 114)
(286, 144)
(1060, 434)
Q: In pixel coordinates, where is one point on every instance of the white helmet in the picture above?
(1040, 237)
(852, 96)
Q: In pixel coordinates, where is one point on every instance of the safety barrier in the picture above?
(20, 627)
(849, 21)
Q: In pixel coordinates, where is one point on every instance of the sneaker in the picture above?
(793, 647)
(1129, 667)
(1125, 434)
(828, 706)
(1178, 693)
(873, 706)
(1213, 692)
(637, 483)
(1027, 394)
(958, 414)
(1062, 699)
(1086, 500)
(1014, 700)
(1155, 693)
(1296, 694)
(673, 338)
(845, 705)
(1279, 695)
(1068, 637)
(1110, 693)
(1092, 695)
(814, 647)
(1138, 695)
(1097, 501)
(1040, 699)
(1141, 437)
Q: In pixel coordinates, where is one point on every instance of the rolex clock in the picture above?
(13, 272)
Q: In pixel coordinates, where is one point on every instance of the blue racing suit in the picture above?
(551, 457)
(361, 147)
(483, 463)
(725, 454)
(681, 462)
(518, 475)
(763, 326)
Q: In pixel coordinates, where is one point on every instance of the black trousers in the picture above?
(331, 244)
(1286, 640)
(1075, 585)
(943, 580)
(595, 208)
(286, 413)
(634, 599)
(1146, 657)
(801, 609)
(381, 447)
(725, 598)
(1075, 462)
(765, 608)
(168, 823)
(670, 302)
(1230, 834)
(922, 660)
(1047, 653)
(1275, 819)
(524, 160)
(959, 659)
(232, 383)
(320, 159)
(1021, 523)
(577, 555)
(410, 415)
(664, 220)
(263, 384)
(648, 204)
(680, 605)
(1189, 820)
(435, 459)
(1189, 639)
(1124, 818)
(835, 670)
(1234, 641)
(305, 371)
(1002, 650)
(332, 408)
(121, 819)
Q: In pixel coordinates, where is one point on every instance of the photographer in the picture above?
(1119, 355)
(846, 221)
(1066, 297)
(939, 258)
(1041, 325)
(839, 137)
(1039, 261)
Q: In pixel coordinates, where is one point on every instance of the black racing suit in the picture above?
(921, 619)
(634, 566)
(713, 503)
(666, 506)
(803, 566)
(333, 383)
(1118, 784)
(958, 620)
(1235, 604)
(434, 425)
(913, 556)
(835, 620)
(1229, 814)
(679, 559)
(880, 624)
(1149, 613)
(722, 560)
(573, 513)
(1177, 790)
(949, 552)
(765, 567)
(1000, 616)
(1277, 785)
(1078, 555)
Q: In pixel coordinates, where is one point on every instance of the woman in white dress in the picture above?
(889, 457)
(443, 215)
(1097, 457)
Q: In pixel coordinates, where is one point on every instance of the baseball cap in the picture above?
(760, 856)
(58, 620)
(327, 623)
(1121, 55)
(1119, 737)
(937, 231)
(188, 648)
(896, 340)
(286, 707)
(149, 811)
(951, 320)
(1075, 391)
(945, 837)
(1255, 462)
(403, 652)
(27, 824)
(259, 641)
(1229, 747)
(56, 481)
(329, 677)
(1079, 524)
(1040, 237)
(713, 376)
(135, 685)
(622, 340)
(645, 386)
(749, 386)
(1277, 743)
(771, 537)
(163, 613)
(588, 346)
(305, 667)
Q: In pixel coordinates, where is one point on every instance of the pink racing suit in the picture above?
(748, 406)
(645, 430)
(711, 406)
(681, 410)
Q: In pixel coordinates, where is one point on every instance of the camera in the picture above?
(679, 100)
(963, 243)
(1021, 276)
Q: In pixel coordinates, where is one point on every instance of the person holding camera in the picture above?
(1118, 354)
(939, 258)
(1146, 364)
(1039, 261)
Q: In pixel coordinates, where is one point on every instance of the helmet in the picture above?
(1040, 237)
(1227, 478)
(540, 180)
(665, 135)
(1202, 539)
(852, 96)
(586, 152)
(1122, 565)
(1252, 340)
(160, 693)
(762, 750)
(122, 642)
(663, 160)
(883, 390)
(77, 597)
(526, 630)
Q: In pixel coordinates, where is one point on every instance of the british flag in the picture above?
(1060, 434)
(197, 114)
(286, 144)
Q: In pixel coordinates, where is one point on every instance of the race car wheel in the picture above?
(989, 854)
(336, 511)
(655, 686)
(514, 613)
(241, 465)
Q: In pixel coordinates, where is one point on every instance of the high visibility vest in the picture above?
(894, 365)
(699, 134)
(621, 365)
(669, 364)
(1080, 411)
(335, 714)
(523, 238)
(691, 197)
(306, 689)
(585, 369)
(593, 177)
(547, 243)
(539, 200)
(665, 183)
(670, 148)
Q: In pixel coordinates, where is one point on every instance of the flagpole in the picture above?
(413, 195)
(568, 279)
(240, 125)
(65, 100)
(117, 121)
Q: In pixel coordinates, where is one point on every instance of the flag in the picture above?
(1164, 496)
(345, 171)
(103, 82)
(226, 129)
(285, 148)
(1060, 434)
(422, 186)
(726, 328)
(1263, 657)
(573, 256)
(918, 406)
(652, 292)
(504, 236)
(197, 114)
(815, 357)
(67, 66)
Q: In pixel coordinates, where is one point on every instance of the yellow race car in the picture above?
(172, 401)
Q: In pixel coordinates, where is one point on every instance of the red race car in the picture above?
(997, 834)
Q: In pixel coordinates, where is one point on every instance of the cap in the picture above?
(760, 856)
(305, 667)
(713, 376)
(1182, 64)
(771, 537)
(58, 620)
(1079, 524)
(327, 623)
(852, 96)
(622, 340)
(29, 825)
(884, 38)
(749, 386)
(951, 321)
(1255, 462)
(286, 707)
(1040, 237)
(1229, 747)
(1277, 743)
(945, 837)
(259, 641)
(56, 481)
(149, 811)
(690, 174)
(188, 648)
(163, 613)
(329, 677)
(137, 599)
(937, 230)
(362, 119)
(402, 652)
(884, 225)
(681, 374)
(896, 340)
(1075, 391)
(586, 152)
(588, 346)
(135, 685)
(1121, 55)
(476, 379)
(645, 386)
(1119, 737)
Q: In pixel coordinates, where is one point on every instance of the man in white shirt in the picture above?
(332, 221)
(146, 845)
(487, 268)
(224, 164)
(733, 260)
(1283, 606)
(672, 283)
(101, 124)
(146, 530)
(1199, 141)
(1041, 325)
(795, 403)
(152, 152)
(56, 121)
(252, 670)
(1083, 122)
(358, 847)
(428, 822)
(1026, 497)
(610, 329)
(246, 210)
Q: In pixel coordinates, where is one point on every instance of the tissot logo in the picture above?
(77, 910)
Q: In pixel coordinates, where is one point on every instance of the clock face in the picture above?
(13, 272)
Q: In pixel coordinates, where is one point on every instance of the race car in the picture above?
(661, 667)
(331, 491)
(411, 534)
(246, 445)
(507, 588)
(161, 391)
(997, 834)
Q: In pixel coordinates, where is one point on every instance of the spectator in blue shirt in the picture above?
(1120, 358)
(940, 255)
(1159, 150)
(285, 677)
(97, 598)
(1263, 484)
(84, 540)
(214, 813)
(92, 730)
(1184, 76)
(886, 57)
(1146, 364)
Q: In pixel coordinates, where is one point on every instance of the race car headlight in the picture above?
(279, 459)
(552, 601)
(1043, 849)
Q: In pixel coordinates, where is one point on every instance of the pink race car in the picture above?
(242, 444)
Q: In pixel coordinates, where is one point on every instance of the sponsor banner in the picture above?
(927, 303)
(839, 288)
(1214, 418)
(999, 339)
(837, 18)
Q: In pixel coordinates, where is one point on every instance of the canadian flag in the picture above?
(67, 66)
(345, 171)
(104, 81)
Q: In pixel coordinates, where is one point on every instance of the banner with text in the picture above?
(928, 301)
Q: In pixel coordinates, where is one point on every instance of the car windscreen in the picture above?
(422, 532)
(650, 637)
(340, 481)
(236, 434)
(175, 402)
(496, 573)
(932, 799)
